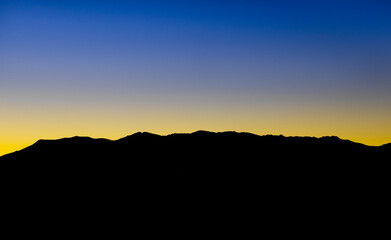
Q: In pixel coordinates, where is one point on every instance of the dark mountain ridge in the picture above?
(229, 135)
(203, 152)
(199, 174)
(201, 147)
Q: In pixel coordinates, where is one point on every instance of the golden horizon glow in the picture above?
(25, 125)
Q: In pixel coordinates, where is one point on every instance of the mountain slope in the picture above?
(200, 156)
(199, 173)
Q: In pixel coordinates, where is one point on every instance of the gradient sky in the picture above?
(112, 68)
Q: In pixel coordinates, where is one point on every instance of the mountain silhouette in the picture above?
(227, 174)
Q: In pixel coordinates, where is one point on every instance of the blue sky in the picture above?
(263, 56)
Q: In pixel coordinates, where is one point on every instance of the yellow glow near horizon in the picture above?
(21, 125)
(111, 127)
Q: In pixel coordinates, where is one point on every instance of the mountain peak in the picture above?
(138, 135)
(202, 132)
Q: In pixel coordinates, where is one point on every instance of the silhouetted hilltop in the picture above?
(208, 143)
(386, 146)
(200, 173)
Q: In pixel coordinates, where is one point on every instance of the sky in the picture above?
(111, 68)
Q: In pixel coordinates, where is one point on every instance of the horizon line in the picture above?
(198, 131)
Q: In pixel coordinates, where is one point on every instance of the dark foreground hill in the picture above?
(202, 175)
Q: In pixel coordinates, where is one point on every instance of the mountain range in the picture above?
(225, 173)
